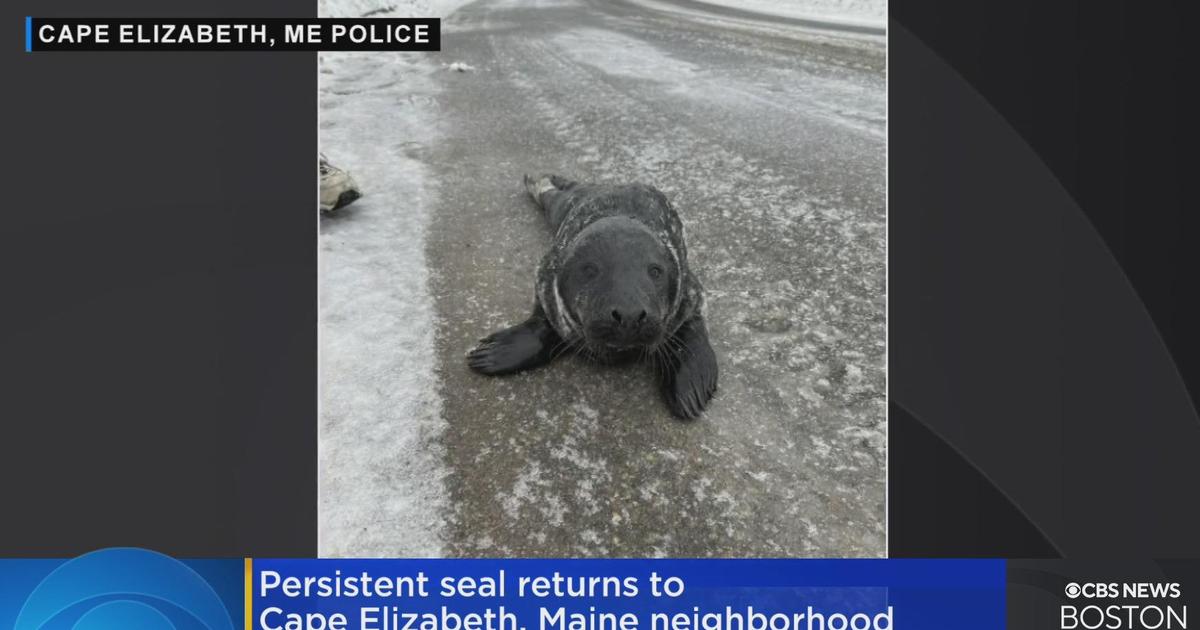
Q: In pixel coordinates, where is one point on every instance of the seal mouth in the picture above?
(613, 353)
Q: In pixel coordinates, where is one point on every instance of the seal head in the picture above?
(616, 284)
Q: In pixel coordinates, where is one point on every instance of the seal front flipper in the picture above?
(691, 378)
(527, 345)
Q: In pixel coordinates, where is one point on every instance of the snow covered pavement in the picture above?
(380, 481)
(772, 146)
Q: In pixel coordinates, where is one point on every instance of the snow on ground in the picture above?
(868, 14)
(601, 475)
(387, 8)
(840, 101)
(376, 116)
(774, 157)
(859, 12)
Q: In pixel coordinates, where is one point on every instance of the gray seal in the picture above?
(615, 286)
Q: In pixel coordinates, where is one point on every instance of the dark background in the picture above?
(159, 323)
(1044, 350)
(159, 320)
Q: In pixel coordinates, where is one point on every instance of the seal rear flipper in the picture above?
(691, 378)
(525, 346)
(547, 182)
(535, 186)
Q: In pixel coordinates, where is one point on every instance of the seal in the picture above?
(615, 286)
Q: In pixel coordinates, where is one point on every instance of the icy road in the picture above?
(768, 134)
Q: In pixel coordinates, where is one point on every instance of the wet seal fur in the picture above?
(614, 286)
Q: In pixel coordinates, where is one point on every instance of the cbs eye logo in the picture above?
(1073, 590)
(131, 589)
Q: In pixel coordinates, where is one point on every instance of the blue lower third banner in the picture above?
(134, 588)
(628, 594)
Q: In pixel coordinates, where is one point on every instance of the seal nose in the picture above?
(629, 317)
(625, 326)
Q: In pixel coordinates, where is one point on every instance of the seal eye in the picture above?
(590, 270)
(655, 271)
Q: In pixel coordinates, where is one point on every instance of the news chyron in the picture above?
(194, 34)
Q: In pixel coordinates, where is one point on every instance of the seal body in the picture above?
(615, 285)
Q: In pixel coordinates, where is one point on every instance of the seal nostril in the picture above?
(616, 315)
(641, 317)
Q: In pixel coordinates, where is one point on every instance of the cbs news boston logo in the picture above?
(1122, 606)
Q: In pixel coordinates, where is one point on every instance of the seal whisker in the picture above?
(662, 363)
(682, 347)
(673, 346)
(652, 355)
(560, 348)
